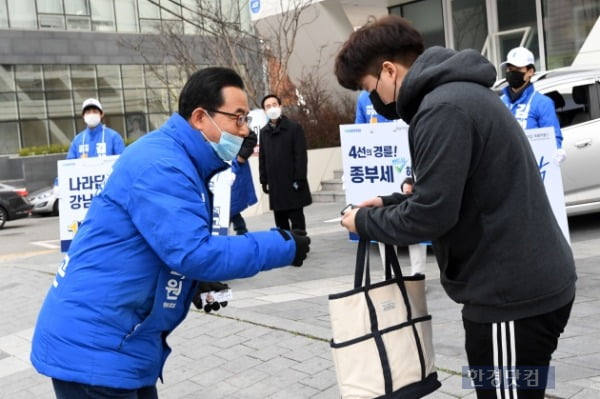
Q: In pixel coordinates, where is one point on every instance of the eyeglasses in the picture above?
(378, 77)
(240, 119)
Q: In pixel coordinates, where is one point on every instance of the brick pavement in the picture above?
(272, 339)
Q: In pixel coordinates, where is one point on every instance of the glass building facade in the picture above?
(57, 53)
(553, 30)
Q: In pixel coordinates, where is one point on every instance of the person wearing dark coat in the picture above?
(282, 166)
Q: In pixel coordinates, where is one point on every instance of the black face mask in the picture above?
(515, 79)
(388, 111)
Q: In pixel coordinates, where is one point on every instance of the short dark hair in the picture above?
(390, 38)
(408, 180)
(265, 98)
(204, 89)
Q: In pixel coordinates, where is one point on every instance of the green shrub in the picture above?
(44, 150)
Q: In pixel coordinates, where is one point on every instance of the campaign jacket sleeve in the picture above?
(361, 116)
(169, 210)
(72, 154)
(442, 139)
(117, 144)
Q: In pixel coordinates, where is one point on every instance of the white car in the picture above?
(45, 201)
(576, 95)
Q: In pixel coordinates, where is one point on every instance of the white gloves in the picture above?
(559, 156)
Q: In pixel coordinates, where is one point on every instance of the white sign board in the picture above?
(79, 180)
(376, 158)
(220, 185)
(543, 144)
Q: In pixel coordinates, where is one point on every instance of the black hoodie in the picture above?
(478, 194)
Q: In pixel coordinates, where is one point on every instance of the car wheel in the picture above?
(55, 208)
(3, 217)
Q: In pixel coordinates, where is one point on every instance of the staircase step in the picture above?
(337, 174)
(329, 196)
(332, 185)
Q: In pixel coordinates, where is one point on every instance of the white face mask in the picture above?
(274, 113)
(92, 120)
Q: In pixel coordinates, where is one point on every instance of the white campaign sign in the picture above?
(543, 144)
(220, 185)
(376, 158)
(79, 180)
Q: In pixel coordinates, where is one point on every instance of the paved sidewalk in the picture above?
(271, 341)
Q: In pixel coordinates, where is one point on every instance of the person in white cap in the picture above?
(531, 108)
(96, 139)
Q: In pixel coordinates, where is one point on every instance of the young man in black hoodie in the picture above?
(478, 196)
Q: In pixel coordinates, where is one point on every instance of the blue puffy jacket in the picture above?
(89, 142)
(129, 277)
(533, 110)
(365, 112)
(243, 194)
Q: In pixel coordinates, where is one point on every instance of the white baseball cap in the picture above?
(519, 57)
(91, 102)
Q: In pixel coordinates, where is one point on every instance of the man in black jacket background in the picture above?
(283, 167)
(478, 196)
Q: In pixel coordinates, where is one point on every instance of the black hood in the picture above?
(437, 66)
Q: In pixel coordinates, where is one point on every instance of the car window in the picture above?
(572, 107)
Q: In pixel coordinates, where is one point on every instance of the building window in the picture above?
(21, 14)
(427, 17)
(8, 107)
(7, 81)
(51, 21)
(62, 130)
(50, 6)
(34, 132)
(566, 25)
(77, 7)
(3, 15)
(103, 16)
(127, 20)
(9, 138)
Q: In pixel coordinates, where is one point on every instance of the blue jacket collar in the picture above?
(522, 98)
(96, 130)
(204, 158)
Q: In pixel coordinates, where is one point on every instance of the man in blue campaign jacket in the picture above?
(96, 139)
(531, 108)
(130, 274)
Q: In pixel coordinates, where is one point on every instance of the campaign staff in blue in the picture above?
(132, 268)
(365, 112)
(96, 139)
(531, 108)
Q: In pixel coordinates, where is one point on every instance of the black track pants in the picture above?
(510, 359)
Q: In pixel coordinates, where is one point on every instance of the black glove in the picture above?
(302, 244)
(265, 188)
(204, 286)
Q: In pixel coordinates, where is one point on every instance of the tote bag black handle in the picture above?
(363, 272)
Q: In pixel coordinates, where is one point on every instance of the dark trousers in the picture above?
(295, 216)
(74, 390)
(239, 224)
(511, 359)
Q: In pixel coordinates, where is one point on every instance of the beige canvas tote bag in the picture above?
(382, 342)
